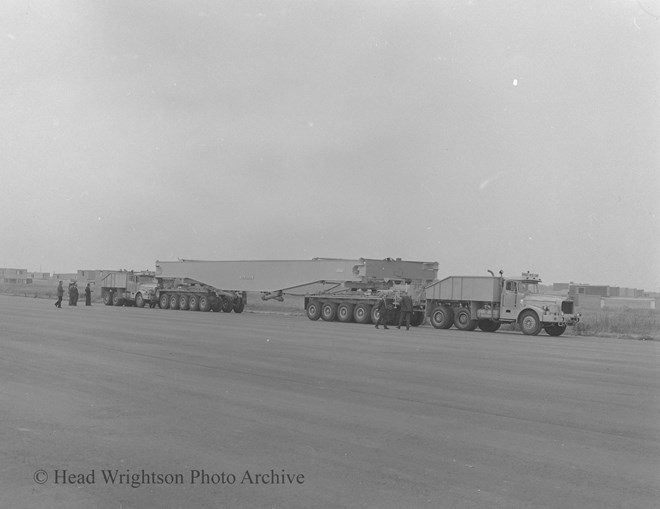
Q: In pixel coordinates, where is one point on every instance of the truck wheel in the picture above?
(204, 303)
(183, 302)
(488, 325)
(375, 314)
(362, 313)
(345, 312)
(463, 320)
(417, 318)
(314, 310)
(328, 311)
(530, 323)
(193, 303)
(139, 300)
(164, 301)
(555, 330)
(226, 305)
(174, 301)
(239, 305)
(442, 317)
(117, 300)
(107, 298)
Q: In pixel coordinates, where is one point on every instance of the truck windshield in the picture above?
(529, 287)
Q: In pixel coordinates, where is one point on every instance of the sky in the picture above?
(515, 135)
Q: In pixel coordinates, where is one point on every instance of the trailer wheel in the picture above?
(374, 314)
(226, 305)
(193, 303)
(362, 313)
(555, 330)
(174, 301)
(442, 317)
(184, 302)
(239, 305)
(345, 312)
(139, 300)
(164, 301)
(117, 300)
(530, 323)
(204, 303)
(314, 310)
(463, 320)
(488, 325)
(328, 311)
(107, 298)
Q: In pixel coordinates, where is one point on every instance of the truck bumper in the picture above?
(560, 318)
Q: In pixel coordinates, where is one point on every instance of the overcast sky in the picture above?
(514, 135)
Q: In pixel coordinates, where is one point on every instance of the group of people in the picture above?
(73, 294)
(405, 311)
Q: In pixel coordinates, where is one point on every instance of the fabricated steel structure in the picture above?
(468, 302)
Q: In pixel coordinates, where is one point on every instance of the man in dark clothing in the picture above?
(382, 312)
(60, 294)
(88, 295)
(406, 310)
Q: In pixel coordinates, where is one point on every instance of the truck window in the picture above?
(509, 285)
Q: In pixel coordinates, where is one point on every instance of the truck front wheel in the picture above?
(530, 323)
(442, 317)
(555, 330)
(139, 300)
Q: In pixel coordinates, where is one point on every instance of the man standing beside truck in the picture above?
(405, 311)
(382, 312)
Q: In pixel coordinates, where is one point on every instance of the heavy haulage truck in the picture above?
(468, 302)
(348, 290)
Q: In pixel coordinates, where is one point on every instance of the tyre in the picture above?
(555, 330)
(362, 313)
(193, 303)
(345, 312)
(328, 311)
(164, 301)
(226, 305)
(488, 325)
(442, 317)
(417, 318)
(530, 323)
(117, 300)
(204, 303)
(139, 301)
(313, 310)
(375, 314)
(174, 301)
(463, 320)
(239, 305)
(184, 302)
(107, 298)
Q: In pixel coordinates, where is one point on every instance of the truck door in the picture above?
(509, 304)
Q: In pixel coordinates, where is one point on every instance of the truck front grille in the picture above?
(567, 307)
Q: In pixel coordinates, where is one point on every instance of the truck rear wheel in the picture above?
(313, 310)
(164, 301)
(362, 313)
(204, 303)
(488, 325)
(345, 312)
(117, 300)
(463, 320)
(530, 323)
(183, 302)
(193, 303)
(442, 317)
(107, 298)
(239, 305)
(174, 301)
(417, 318)
(226, 305)
(139, 300)
(554, 330)
(328, 311)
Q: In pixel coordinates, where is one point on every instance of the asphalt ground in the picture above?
(213, 410)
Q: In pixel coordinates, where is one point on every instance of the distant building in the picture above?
(15, 276)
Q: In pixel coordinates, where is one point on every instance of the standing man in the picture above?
(88, 295)
(406, 310)
(60, 294)
(382, 312)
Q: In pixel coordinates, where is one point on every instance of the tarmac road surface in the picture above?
(125, 408)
